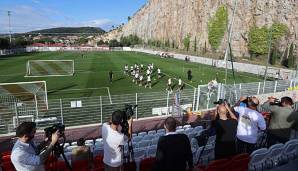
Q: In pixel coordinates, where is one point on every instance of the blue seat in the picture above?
(258, 159)
(290, 151)
(275, 155)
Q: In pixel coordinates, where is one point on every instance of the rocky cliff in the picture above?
(174, 19)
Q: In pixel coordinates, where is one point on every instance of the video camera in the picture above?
(128, 112)
(220, 101)
(50, 130)
(276, 102)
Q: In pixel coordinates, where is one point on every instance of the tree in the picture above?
(195, 44)
(173, 44)
(4, 43)
(273, 56)
(114, 43)
(217, 27)
(100, 42)
(186, 42)
(291, 58)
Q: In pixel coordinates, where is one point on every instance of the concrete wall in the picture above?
(238, 67)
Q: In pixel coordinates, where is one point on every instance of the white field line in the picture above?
(109, 95)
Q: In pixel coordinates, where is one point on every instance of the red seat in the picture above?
(7, 166)
(6, 153)
(98, 162)
(147, 164)
(80, 165)
(217, 165)
(239, 162)
(6, 158)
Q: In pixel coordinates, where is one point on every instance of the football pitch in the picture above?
(91, 73)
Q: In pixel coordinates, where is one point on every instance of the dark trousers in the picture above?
(245, 147)
(274, 139)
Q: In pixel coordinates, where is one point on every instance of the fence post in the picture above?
(259, 88)
(61, 111)
(198, 97)
(194, 99)
(100, 101)
(36, 106)
(291, 84)
(264, 87)
(240, 87)
(137, 107)
(275, 86)
(218, 91)
(168, 94)
(17, 115)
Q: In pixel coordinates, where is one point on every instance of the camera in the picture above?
(276, 102)
(220, 101)
(128, 112)
(50, 130)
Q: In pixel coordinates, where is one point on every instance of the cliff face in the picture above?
(174, 19)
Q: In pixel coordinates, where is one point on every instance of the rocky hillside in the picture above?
(173, 20)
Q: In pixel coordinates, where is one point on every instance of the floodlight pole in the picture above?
(9, 25)
(269, 52)
(229, 40)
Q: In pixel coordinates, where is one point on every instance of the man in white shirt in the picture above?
(113, 140)
(180, 84)
(250, 121)
(25, 155)
(169, 87)
(148, 84)
(159, 73)
(140, 80)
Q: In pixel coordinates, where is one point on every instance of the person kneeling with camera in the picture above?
(113, 141)
(25, 155)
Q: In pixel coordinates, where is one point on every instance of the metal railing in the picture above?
(94, 110)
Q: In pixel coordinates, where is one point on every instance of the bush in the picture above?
(114, 43)
(4, 43)
(217, 27)
(130, 40)
(291, 58)
(258, 38)
(186, 42)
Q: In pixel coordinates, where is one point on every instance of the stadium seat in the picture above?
(6, 153)
(147, 164)
(179, 127)
(191, 135)
(239, 162)
(186, 126)
(152, 132)
(151, 151)
(7, 166)
(148, 137)
(258, 159)
(163, 131)
(217, 165)
(98, 161)
(144, 143)
(194, 145)
(139, 153)
(99, 140)
(290, 151)
(89, 142)
(74, 143)
(275, 155)
(137, 139)
(198, 128)
(142, 134)
(154, 141)
(211, 140)
(5, 158)
(134, 135)
(180, 131)
(80, 165)
(207, 154)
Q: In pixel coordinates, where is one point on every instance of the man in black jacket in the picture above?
(173, 150)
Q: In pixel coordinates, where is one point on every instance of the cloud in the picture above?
(26, 18)
(35, 1)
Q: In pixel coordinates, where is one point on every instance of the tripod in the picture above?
(57, 151)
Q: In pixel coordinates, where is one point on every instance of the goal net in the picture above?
(44, 68)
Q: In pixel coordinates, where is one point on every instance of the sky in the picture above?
(28, 15)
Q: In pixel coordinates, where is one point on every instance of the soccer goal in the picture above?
(46, 68)
(22, 92)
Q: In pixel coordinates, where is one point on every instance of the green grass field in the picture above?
(91, 73)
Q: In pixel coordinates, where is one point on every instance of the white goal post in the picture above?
(47, 68)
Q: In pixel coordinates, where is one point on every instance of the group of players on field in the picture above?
(142, 75)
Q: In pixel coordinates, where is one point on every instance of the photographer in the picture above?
(279, 130)
(225, 125)
(250, 121)
(25, 155)
(113, 140)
